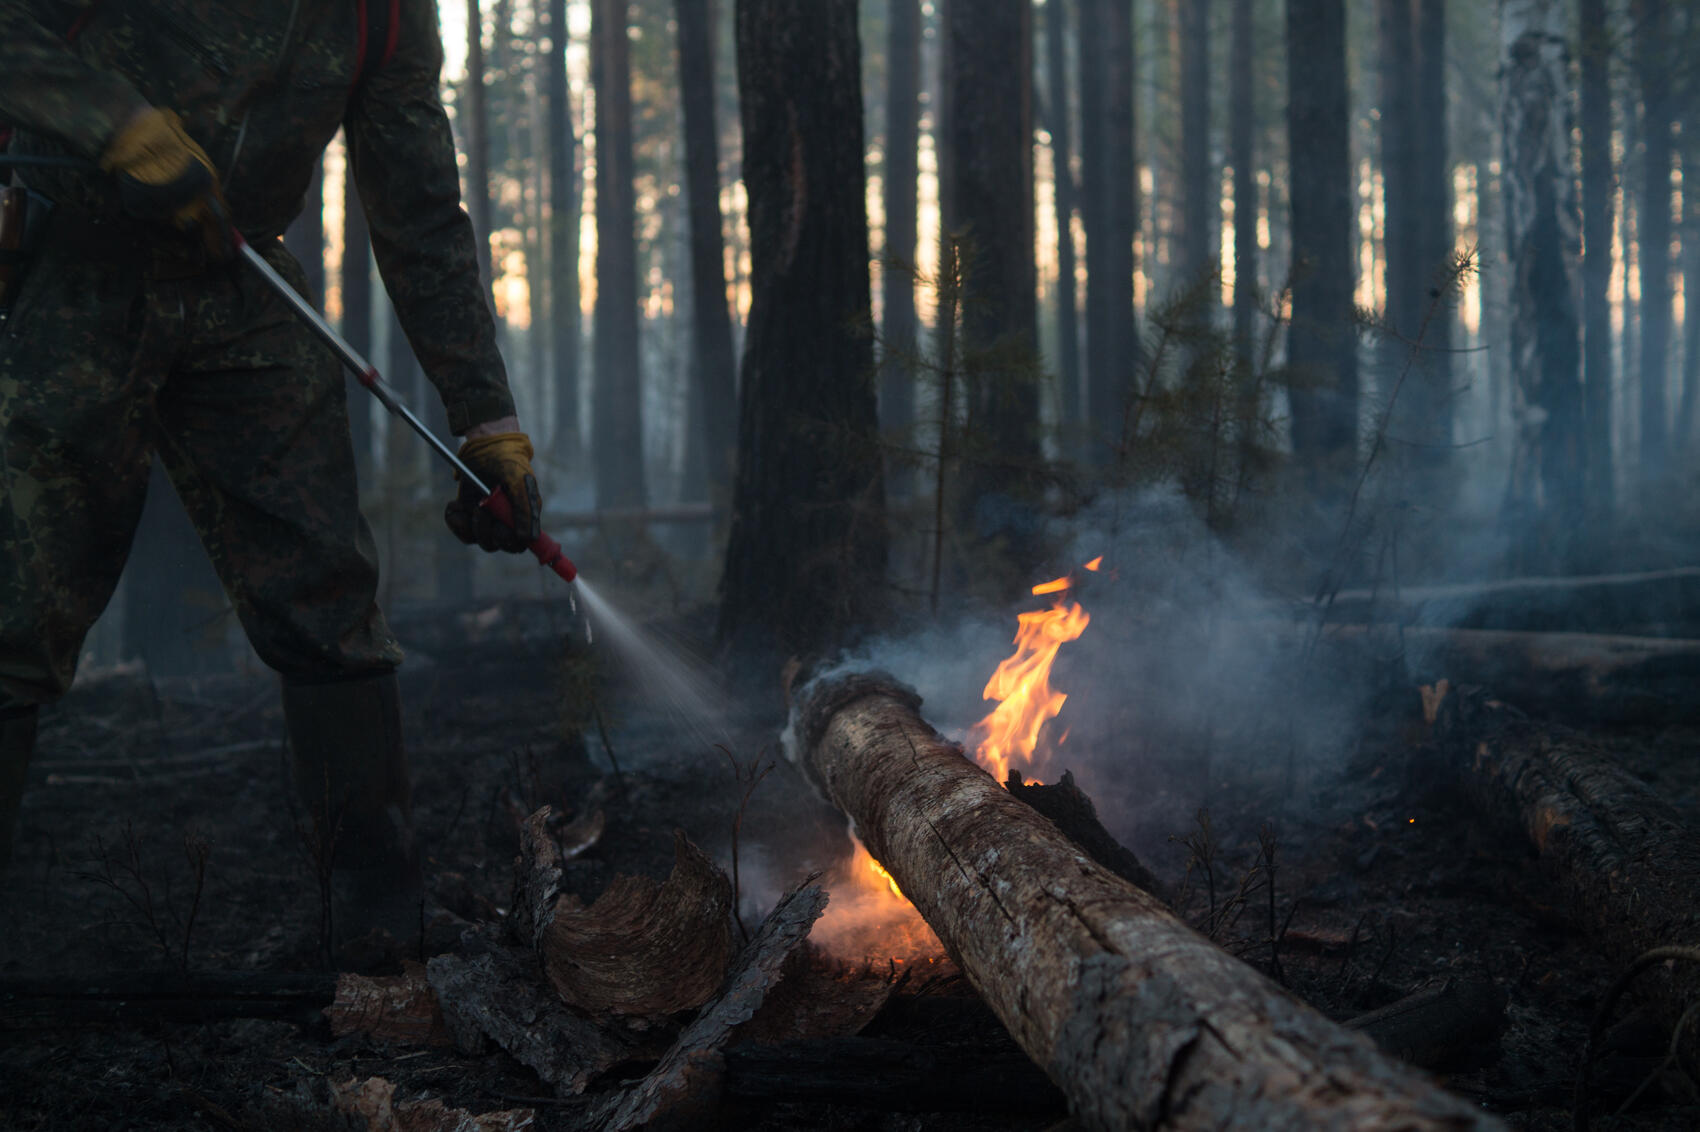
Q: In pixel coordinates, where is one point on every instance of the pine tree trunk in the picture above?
(991, 193)
(1434, 240)
(476, 137)
(1110, 210)
(1543, 244)
(1058, 122)
(1597, 223)
(1322, 339)
(711, 446)
(565, 205)
(1652, 67)
(806, 554)
(357, 316)
(1242, 153)
(617, 421)
(1684, 430)
(1200, 189)
(902, 145)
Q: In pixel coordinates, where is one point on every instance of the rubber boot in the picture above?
(351, 775)
(17, 742)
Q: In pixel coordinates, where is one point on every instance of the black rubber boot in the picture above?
(351, 775)
(17, 742)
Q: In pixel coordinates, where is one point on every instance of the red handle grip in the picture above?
(546, 549)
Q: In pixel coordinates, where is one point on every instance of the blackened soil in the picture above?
(1383, 884)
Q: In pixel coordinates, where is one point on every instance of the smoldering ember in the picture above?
(903, 566)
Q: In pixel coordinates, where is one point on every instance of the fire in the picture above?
(1022, 683)
(869, 918)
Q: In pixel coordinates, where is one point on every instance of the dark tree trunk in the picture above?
(1322, 343)
(807, 550)
(1652, 65)
(1597, 217)
(1110, 210)
(1416, 172)
(1201, 193)
(1543, 229)
(476, 137)
(1684, 433)
(617, 405)
(357, 316)
(1242, 129)
(711, 445)
(306, 237)
(902, 145)
(1058, 121)
(990, 188)
(565, 204)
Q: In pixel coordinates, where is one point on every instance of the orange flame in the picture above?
(1022, 683)
(869, 918)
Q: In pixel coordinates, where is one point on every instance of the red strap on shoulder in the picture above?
(359, 42)
(395, 33)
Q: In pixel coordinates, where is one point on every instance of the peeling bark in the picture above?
(1137, 1018)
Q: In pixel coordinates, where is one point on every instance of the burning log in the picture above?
(1625, 861)
(1137, 1018)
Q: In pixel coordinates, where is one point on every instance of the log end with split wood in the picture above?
(1138, 1019)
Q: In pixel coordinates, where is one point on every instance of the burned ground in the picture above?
(1385, 883)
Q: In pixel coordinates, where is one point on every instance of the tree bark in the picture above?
(1322, 341)
(1137, 1018)
(1058, 123)
(990, 186)
(1652, 67)
(476, 137)
(1242, 127)
(1597, 261)
(807, 548)
(902, 145)
(711, 446)
(1110, 211)
(566, 203)
(1201, 192)
(1623, 858)
(357, 316)
(617, 401)
(1542, 243)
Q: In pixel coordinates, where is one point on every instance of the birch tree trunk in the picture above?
(1543, 245)
(1059, 123)
(902, 145)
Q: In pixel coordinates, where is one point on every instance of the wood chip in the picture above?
(396, 1008)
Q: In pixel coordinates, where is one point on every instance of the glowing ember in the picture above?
(1022, 683)
(868, 918)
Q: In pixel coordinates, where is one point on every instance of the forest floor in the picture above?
(1385, 884)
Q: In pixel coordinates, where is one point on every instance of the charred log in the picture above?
(1137, 1018)
(1438, 1027)
(1623, 859)
(1072, 812)
(31, 1002)
(891, 1076)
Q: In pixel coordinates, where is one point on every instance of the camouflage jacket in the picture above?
(263, 85)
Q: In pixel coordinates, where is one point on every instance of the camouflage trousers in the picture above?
(108, 357)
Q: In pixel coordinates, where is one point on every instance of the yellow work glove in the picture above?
(165, 177)
(503, 461)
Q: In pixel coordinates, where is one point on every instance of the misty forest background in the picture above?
(1386, 291)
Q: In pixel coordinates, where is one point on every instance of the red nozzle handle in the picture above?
(546, 549)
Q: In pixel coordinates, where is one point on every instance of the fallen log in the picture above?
(1580, 678)
(1623, 859)
(890, 1076)
(31, 1002)
(1138, 1019)
(1656, 603)
(1438, 1027)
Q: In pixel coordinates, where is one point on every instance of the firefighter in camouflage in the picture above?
(134, 332)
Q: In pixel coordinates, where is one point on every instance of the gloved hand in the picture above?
(165, 177)
(503, 461)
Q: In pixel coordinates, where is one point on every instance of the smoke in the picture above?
(1192, 676)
